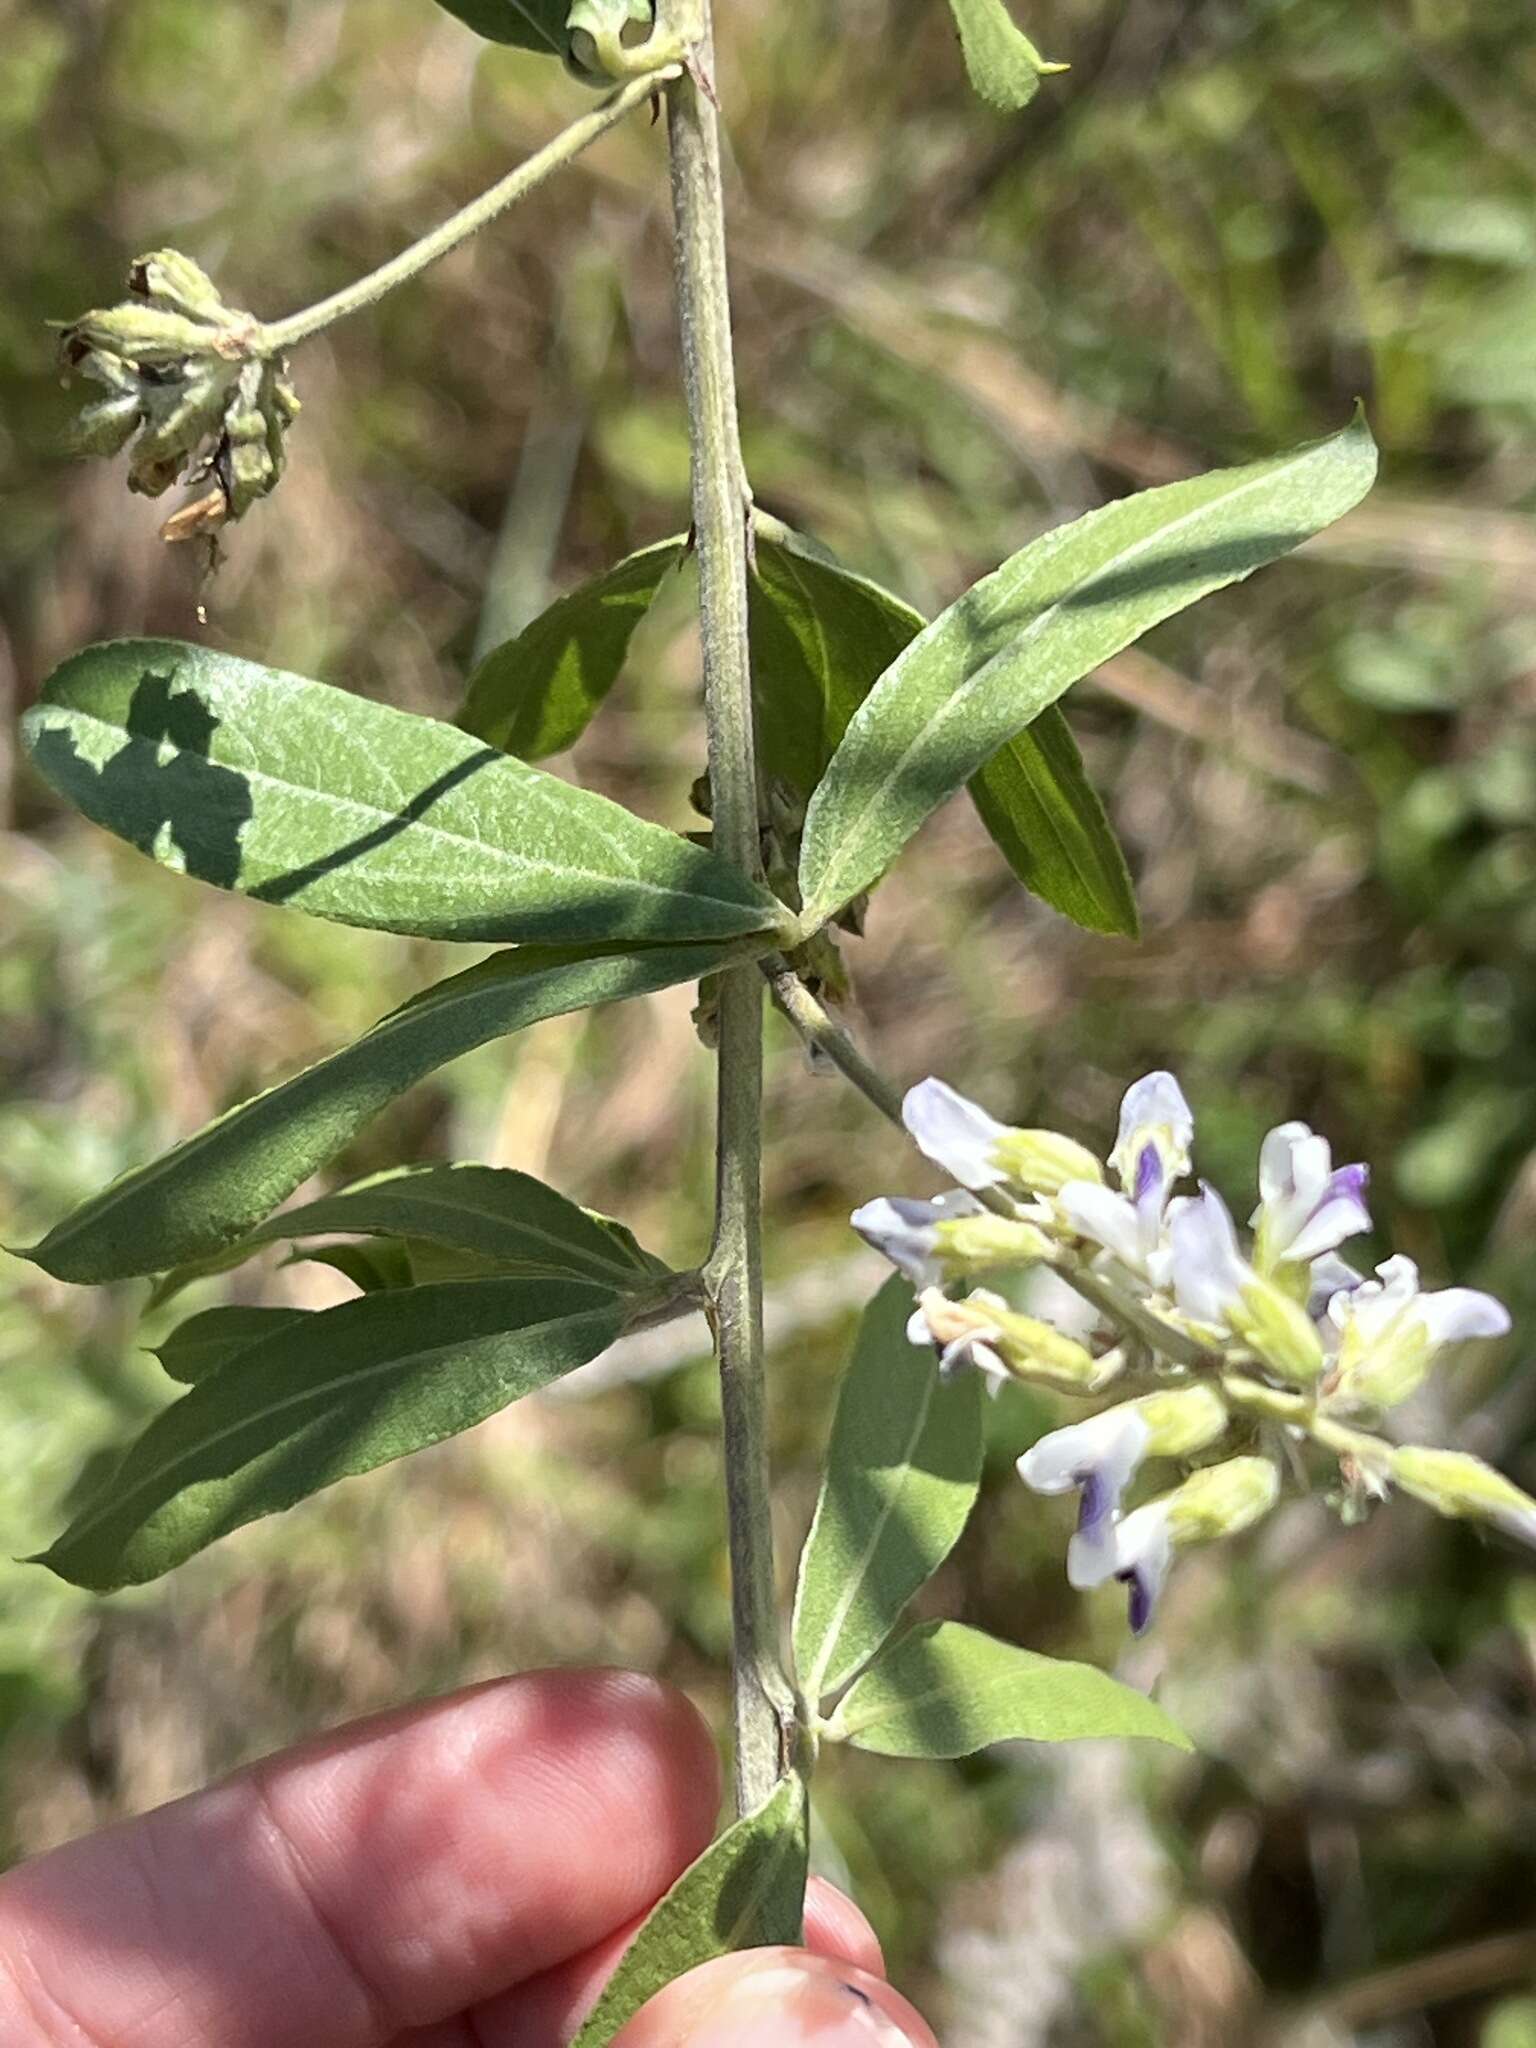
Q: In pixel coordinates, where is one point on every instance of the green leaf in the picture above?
(1004, 66)
(214, 1186)
(529, 24)
(346, 1390)
(993, 661)
(1045, 818)
(944, 1690)
(821, 638)
(293, 792)
(746, 1891)
(492, 1211)
(206, 1343)
(903, 1468)
(370, 1267)
(535, 694)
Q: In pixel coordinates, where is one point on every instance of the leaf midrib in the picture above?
(478, 848)
(272, 1233)
(960, 696)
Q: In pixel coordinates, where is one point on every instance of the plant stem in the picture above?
(763, 1707)
(820, 1029)
(273, 339)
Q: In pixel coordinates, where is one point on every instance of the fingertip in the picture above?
(777, 1998)
(835, 1927)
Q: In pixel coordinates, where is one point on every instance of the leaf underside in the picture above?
(903, 1468)
(747, 1890)
(943, 1690)
(1003, 65)
(527, 24)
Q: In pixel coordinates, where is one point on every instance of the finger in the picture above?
(398, 1872)
(777, 1998)
(546, 2011)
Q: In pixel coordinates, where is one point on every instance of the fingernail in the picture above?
(777, 1998)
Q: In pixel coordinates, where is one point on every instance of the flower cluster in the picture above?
(187, 383)
(1216, 1349)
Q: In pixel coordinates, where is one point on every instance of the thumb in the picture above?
(777, 1998)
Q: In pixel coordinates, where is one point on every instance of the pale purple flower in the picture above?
(1100, 1456)
(1307, 1206)
(1143, 1553)
(964, 1344)
(1209, 1272)
(1151, 1151)
(906, 1231)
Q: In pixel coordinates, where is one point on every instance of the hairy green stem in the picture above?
(763, 1702)
(279, 335)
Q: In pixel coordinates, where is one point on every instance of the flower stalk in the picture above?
(276, 336)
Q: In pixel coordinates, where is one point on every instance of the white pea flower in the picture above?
(1219, 1501)
(1307, 1206)
(1102, 1455)
(1217, 1290)
(977, 1151)
(1389, 1332)
(1151, 1152)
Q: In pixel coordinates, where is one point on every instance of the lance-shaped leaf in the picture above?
(206, 1343)
(293, 792)
(497, 1213)
(903, 1467)
(1003, 64)
(346, 1390)
(746, 1891)
(822, 637)
(944, 1690)
(535, 694)
(214, 1186)
(993, 661)
(529, 24)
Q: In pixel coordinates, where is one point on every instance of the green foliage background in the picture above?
(956, 327)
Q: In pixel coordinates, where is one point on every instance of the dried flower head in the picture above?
(190, 393)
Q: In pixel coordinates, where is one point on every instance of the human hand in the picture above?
(463, 1874)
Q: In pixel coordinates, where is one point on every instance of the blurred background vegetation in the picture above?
(1228, 220)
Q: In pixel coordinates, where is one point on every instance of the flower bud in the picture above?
(1457, 1484)
(984, 1333)
(1221, 1500)
(178, 285)
(1278, 1331)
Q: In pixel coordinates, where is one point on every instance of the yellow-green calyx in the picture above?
(971, 1244)
(1044, 1161)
